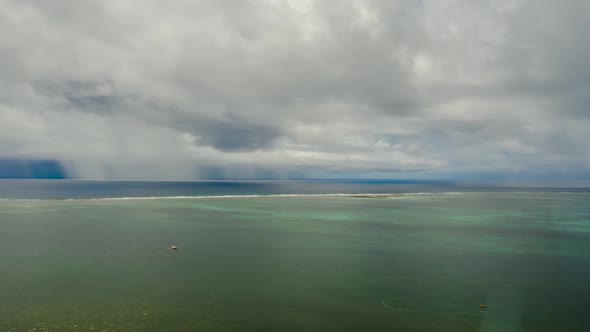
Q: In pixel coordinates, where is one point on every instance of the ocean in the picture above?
(292, 256)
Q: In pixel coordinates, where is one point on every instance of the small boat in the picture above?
(483, 306)
(174, 247)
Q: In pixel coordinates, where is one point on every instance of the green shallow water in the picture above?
(415, 263)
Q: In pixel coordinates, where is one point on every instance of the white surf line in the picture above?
(468, 311)
(352, 195)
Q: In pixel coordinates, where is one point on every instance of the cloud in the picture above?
(45, 169)
(277, 88)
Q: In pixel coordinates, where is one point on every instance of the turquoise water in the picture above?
(310, 263)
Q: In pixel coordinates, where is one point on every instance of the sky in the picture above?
(182, 90)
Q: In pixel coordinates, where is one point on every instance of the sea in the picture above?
(321, 255)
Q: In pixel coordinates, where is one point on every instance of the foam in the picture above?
(399, 307)
(352, 195)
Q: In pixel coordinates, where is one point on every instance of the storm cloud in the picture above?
(281, 89)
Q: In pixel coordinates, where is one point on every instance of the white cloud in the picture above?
(149, 89)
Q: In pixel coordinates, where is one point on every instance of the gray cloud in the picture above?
(281, 88)
(237, 137)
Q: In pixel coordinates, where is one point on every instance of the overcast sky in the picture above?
(268, 88)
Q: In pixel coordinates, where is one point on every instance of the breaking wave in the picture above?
(354, 195)
(344, 195)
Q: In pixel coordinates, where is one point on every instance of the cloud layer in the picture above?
(269, 88)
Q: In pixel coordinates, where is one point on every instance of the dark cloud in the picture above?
(237, 136)
(40, 169)
(98, 95)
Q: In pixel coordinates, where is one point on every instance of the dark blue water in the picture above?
(73, 189)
